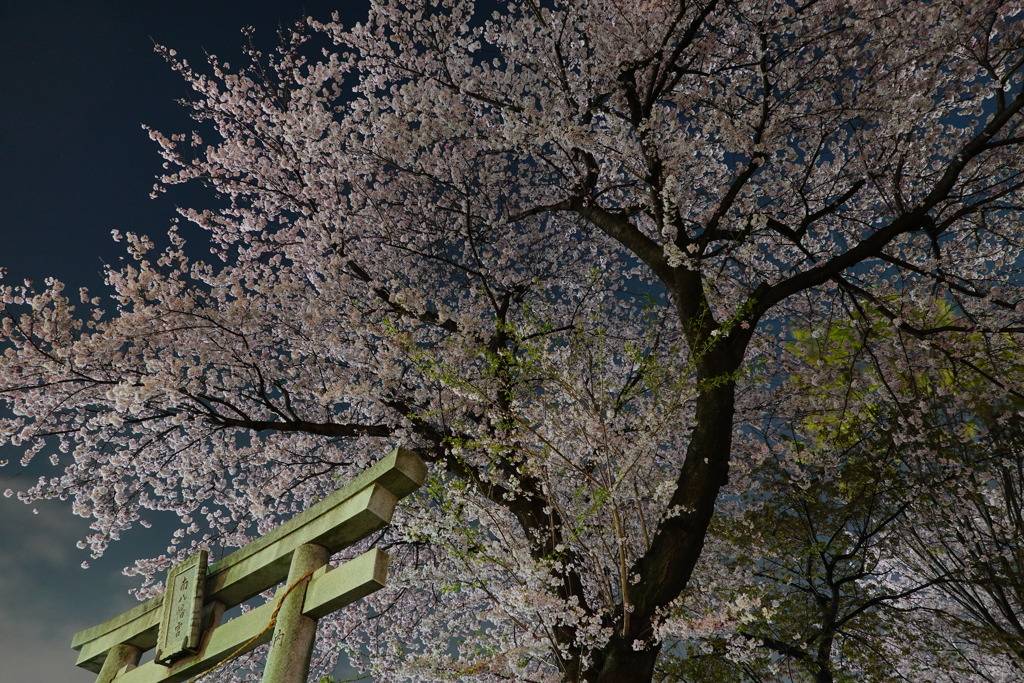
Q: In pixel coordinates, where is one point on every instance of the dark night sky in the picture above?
(77, 80)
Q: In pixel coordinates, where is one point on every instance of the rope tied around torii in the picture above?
(248, 645)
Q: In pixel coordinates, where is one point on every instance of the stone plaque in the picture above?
(180, 627)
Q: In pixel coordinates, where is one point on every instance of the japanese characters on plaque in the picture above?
(180, 627)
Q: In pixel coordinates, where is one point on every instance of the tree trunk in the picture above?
(676, 546)
(623, 664)
(824, 660)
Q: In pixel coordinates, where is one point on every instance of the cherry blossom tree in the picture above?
(824, 532)
(970, 542)
(563, 252)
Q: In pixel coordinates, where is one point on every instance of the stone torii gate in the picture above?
(183, 623)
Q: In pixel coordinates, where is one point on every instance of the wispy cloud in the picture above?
(45, 595)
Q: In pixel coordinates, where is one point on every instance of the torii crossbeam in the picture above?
(183, 623)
